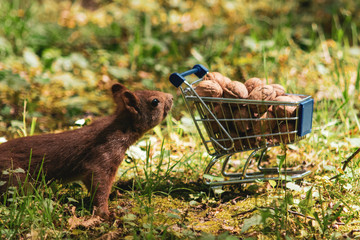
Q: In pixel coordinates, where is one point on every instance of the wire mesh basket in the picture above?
(228, 126)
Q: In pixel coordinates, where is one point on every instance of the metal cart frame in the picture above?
(226, 135)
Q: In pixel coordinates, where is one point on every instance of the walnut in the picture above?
(251, 143)
(285, 128)
(240, 113)
(221, 112)
(226, 81)
(235, 89)
(217, 77)
(284, 110)
(280, 91)
(238, 143)
(265, 124)
(264, 93)
(295, 98)
(252, 83)
(209, 88)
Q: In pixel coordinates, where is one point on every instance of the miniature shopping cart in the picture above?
(224, 133)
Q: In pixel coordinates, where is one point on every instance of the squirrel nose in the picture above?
(169, 102)
(170, 97)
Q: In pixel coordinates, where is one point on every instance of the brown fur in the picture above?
(92, 153)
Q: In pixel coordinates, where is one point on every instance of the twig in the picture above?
(245, 212)
(301, 215)
(289, 211)
(346, 162)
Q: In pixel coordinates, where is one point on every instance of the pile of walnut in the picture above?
(216, 85)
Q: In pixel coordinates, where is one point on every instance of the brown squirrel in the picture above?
(92, 153)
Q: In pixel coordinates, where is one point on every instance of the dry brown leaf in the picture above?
(110, 235)
(75, 221)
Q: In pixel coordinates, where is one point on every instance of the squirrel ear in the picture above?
(117, 87)
(131, 102)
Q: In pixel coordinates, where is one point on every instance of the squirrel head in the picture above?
(144, 108)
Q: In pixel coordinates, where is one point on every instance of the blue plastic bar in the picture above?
(305, 117)
(178, 78)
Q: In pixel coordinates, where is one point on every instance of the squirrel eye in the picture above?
(155, 102)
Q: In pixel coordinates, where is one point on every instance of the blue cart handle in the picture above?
(178, 78)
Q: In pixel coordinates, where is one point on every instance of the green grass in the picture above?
(57, 61)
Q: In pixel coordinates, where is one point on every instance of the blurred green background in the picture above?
(62, 56)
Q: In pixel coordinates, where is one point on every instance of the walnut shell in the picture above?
(264, 93)
(209, 88)
(286, 137)
(235, 89)
(242, 112)
(295, 98)
(217, 77)
(251, 143)
(252, 83)
(284, 110)
(226, 81)
(238, 143)
(265, 124)
(280, 90)
(221, 112)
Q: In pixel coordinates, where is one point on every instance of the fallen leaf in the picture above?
(75, 222)
(254, 220)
